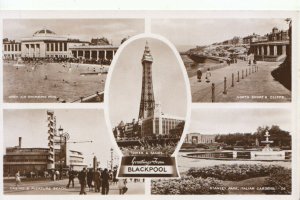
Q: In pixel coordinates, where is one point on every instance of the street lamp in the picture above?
(63, 147)
(60, 131)
(112, 158)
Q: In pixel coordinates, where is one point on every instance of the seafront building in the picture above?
(197, 138)
(45, 43)
(272, 47)
(57, 156)
(35, 160)
(11, 49)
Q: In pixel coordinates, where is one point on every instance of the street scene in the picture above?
(62, 158)
(40, 187)
(227, 154)
(249, 63)
(62, 62)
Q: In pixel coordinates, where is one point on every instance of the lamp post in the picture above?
(111, 158)
(63, 145)
(60, 134)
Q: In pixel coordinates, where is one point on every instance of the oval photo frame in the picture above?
(147, 105)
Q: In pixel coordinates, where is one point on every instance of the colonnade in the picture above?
(12, 47)
(270, 50)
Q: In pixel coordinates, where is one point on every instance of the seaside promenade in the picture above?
(250, 84)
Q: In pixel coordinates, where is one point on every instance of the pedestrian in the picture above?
(97, 177)
(208, 75)
(90, 176)
(105, 182)
(53, 175)
(114, 179)
(122, 186)
(82, 180)
(71, 178)
(18, 178)
(57, 174)
(101, 179)
(60, 174)
(228, 62)
(45, 174)
(199, 75)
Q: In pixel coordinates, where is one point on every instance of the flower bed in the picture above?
(281, 181)
(188, 185)
(234, 172)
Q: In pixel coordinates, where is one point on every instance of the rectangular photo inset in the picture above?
(61, 60)
(61, 152)
(234, 60)
(234, 152)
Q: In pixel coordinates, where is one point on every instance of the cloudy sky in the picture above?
(232, 120)
(192, 32)
(125, 85)
(113, 29)
(82, 125)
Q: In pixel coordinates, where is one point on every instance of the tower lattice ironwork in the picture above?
(147, 103)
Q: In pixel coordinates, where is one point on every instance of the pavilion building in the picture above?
(45, 43)
(35, 159)
(197, 138)
(272, 47)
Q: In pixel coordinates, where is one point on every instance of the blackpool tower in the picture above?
(147, 104)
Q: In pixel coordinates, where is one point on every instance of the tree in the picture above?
(100, 41)
(235, 40)
(124, 39)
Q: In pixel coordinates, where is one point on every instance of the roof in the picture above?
(92, 47)
(44, 35)
(44, 32)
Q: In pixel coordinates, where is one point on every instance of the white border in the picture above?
(149, 5)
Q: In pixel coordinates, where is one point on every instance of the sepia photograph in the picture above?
(147, 106)
(237, 151)
(61, 61)
(234, 60)
(61, 152)
(150, 103)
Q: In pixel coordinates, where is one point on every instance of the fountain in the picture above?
(19, 63)
(267, 152)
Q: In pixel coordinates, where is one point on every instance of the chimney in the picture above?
(20, 142)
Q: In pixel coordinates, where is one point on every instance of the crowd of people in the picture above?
(62, 59)
(98, 181)
(163, 149)
(90, 180)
